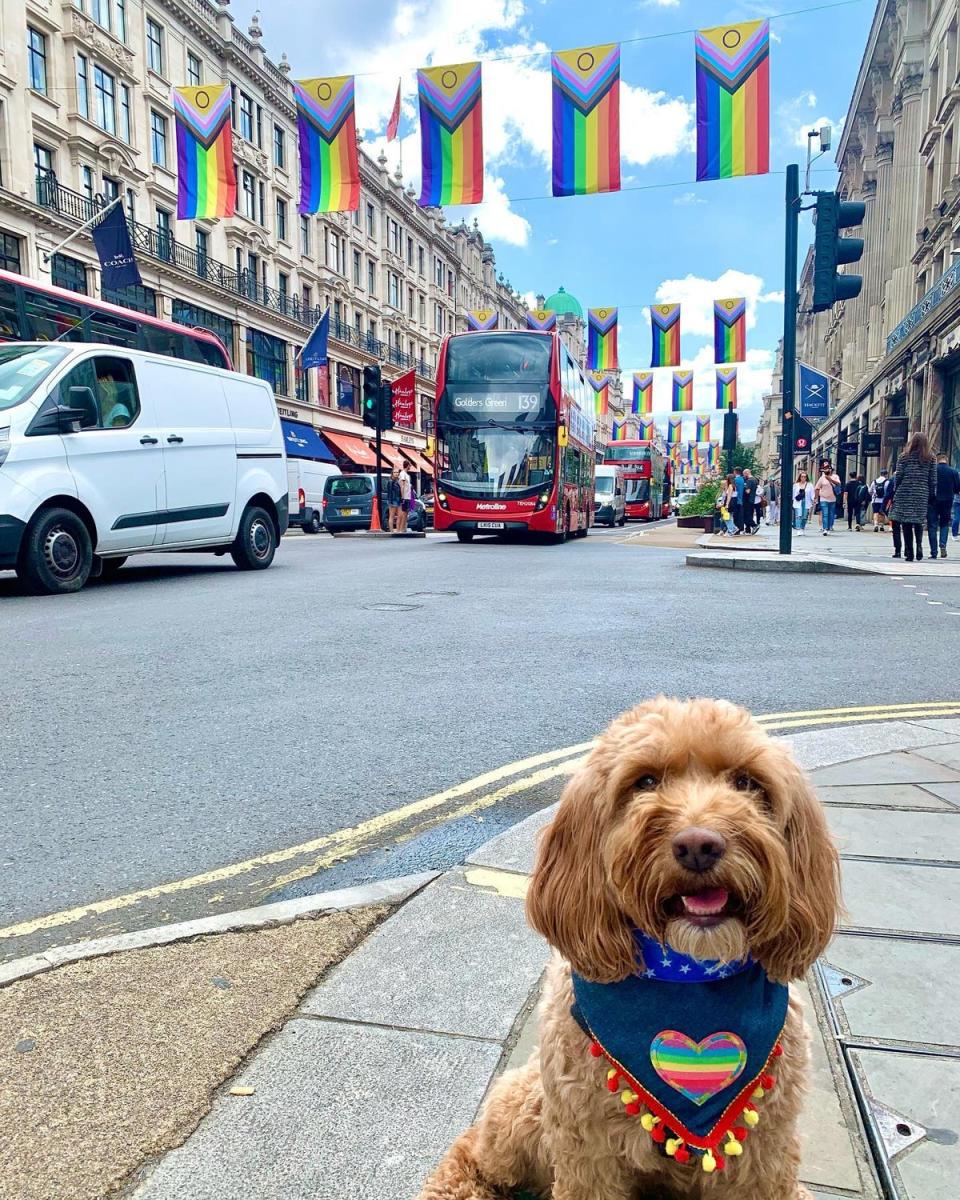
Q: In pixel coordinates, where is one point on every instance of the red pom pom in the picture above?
(740, 1132)
(634, 1108)
(613, 1083)
(595, 1049)
(682, 1155)
(777, 1050)
(767, 1082)
(658, 1133)
(720, 1160)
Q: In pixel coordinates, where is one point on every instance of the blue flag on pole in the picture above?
(314, 353)
(115, 251)
(814, 393)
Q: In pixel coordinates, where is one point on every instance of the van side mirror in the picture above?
(82, 412)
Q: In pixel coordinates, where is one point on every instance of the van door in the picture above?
(116, 459)
(199, 452)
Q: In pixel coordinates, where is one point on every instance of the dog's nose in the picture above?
(697, 849)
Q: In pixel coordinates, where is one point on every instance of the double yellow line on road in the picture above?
(419, 815)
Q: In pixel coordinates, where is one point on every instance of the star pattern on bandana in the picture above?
(658, 961)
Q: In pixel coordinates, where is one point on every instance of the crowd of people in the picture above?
(744, 501)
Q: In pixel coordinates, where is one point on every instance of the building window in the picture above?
(335, 252)
(83, 86)
(356, 216)
(438, 318)
(158, 138)
(409, 251)
(279, 148)
(281, 219)
(262, 202)
(439, 272)
(164, 234)
(194, 70)
(69, 273)
(42, 159)
(188, 314)
(131, 208)
(9, 253)
(154, 45)
(111, 188)
(304, 234)
(393, 290)
(421, 261)
(410, 302)
(371, 221)
(202, 246)
(449, 282)
(267, 359)
(37, 60)
(86, 182)
(422, 313)
(249, 196)
(105, 100)
(348, 388)
(357, 322)
(356, 268)
(307, 301)
(371, 277)
(259, 126)
(125, 124)
(395, 236)
(246, 116)
(283, 287)
(136, 297)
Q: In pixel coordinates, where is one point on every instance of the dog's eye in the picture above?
(646, 783)
(746, 783)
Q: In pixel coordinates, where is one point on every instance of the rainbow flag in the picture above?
(733, 100)
(327, 128)
(674, 431)
(665, 323)
(619, 431)
(601, 339)
(482, 318)
(451, 134)
(542, 318)
(730, 330)
(693, 454)
(726, 388)
(682, 391)
(703, 429)
(586, 120)
(601, 385)
(646, 429)
(642, 392)
(713, 456)
(206, 179)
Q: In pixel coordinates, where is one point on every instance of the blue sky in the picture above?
(684, 242)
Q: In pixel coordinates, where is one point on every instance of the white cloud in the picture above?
(498, 221)
(688, 198)
(530, 300)
(697, 296)
(796, 119)
(753, 381)
(654, 125)
(661, 3)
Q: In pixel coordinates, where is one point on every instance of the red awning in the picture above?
(392, 454)
(356, 449)
(417, 461)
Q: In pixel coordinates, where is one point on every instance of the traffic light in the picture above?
(386, 406)
(832, 251)
(730, 430)
(371, 395)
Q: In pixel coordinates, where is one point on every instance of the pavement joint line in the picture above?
(898, 935)
(892, 861)
(355, 1022)
(892, 1046)
(900, 808)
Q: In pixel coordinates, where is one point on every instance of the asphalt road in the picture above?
(186, 715)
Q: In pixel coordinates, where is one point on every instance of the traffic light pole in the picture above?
(792, 210)
(377, 444)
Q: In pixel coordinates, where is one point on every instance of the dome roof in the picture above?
(562, 303)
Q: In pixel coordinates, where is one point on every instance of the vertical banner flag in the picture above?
(403, 392)
(733, 100)
(111, 237)
(713, 460)
(682, 391)
(602, 339)
(674, 430)
(544, 319)
(730, 330)
(586, 120)
(615, 434)
(642, 392)
(314, 352)
(451, 135)
(601, 385)
(482, 318)
(814, 392)
(206, 179)
(646, 429)
(703, 429)
(693, 454)
(327, 128)
(393, 125)
(665, 323)
(726, 388)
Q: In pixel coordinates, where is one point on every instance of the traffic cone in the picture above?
(375, 526)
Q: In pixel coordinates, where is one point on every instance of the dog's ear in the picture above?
(814, 904)
(569, 900)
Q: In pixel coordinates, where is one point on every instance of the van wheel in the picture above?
(57, 554)
(256, 541)
(313, 525)
(464, 535)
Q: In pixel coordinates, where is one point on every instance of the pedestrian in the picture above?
(393, 500)
(405, 489)
(761, 509)
(803, 498)
(773, 503)
(726, 499)
(827, 491)
(877, 492)
(749, 501)
(737, 510)
(941, 510)
(915, 485)
(851, 490)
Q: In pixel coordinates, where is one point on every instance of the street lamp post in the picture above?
(792, 212)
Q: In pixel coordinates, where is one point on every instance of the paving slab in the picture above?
(338, 1112)
(887, 768)
(889, 795)
(516, 849)
(928, 835)
(911, 994)
(899, 897)
(946, 791)
(944, 724)
(925, 1090)
(948, 756)
(816, 749)
(476, 933)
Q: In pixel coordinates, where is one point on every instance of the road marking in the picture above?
(347, 843)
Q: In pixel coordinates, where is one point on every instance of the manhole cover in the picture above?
(392, 607)
(433, 595)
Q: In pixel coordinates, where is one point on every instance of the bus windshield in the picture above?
(492, 462)
(617, 453)
(486, 358)
(638, 491)
(23, 368)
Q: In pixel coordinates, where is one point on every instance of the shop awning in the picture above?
(392, 455)
(356, 449)
(418, 461)
(303, 441)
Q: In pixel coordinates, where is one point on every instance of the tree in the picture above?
(745, 456)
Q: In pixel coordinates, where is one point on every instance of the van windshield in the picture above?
(23, 368)
(604, 485)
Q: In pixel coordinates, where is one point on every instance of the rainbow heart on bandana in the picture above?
(698, 1070)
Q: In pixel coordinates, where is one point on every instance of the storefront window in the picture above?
(951, 420)
(267, 359)
(191, 315)
(69, 273)
(348, 388)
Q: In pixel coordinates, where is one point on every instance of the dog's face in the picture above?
(691, 825)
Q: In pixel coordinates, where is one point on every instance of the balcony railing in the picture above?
(944, 287)
(159, 244)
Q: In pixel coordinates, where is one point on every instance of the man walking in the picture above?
(405, 490)
(877, 495)
(738, 483)
(941, 506)
(749, 500)
(773, 511)
(851, 493)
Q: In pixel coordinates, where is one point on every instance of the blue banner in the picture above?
(115, 251)
(314, 353)
(814, 392)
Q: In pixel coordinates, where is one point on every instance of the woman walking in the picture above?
(827, 492)
(803, 497)
(393, 501)
(725, 502)
(916, 485)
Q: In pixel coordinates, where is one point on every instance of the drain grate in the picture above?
(392, 607)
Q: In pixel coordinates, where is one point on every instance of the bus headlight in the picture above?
(542, 500)
(4, 443)
(442, 499)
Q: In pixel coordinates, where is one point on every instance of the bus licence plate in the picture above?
(349, 512)
(490, 525)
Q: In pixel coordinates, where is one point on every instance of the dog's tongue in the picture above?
(705, 904)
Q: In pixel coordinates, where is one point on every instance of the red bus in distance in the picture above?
(648, 476)
(514, 437)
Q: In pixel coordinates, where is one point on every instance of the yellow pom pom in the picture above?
(629, 1097)
(751, 1118)
(758, 1093)
(648, 1120)
(612, 1073)
(709, 1163)
(733, 1148)
(672, 1146)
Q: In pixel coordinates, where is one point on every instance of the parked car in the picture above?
(348, 504)
(305, 480)
(680, 499)
(107, 452)
(609, 498)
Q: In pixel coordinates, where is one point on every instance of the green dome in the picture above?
(562, 303)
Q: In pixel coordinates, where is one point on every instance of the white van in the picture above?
(107, 452)
(305, 480)
(610, 499)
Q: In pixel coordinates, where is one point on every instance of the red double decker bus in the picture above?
(648, 476)
(514, 437)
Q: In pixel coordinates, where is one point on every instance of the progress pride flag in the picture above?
(404, 394)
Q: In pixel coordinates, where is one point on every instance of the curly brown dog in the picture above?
(688, 828)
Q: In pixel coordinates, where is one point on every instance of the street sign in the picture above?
(871, 445)
(850, 447)
(802, 435)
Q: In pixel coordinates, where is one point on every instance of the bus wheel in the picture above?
(464, 535)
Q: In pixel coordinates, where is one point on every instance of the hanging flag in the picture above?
(615, 432)
(733, 100)
(713, 456)
(601, 339)
(730, 330)
(726, 388)
(482, 318)
(665, 323)
(586, 120)
(600, 383)
(542, 318)
(646, 429)
(206, 179)
(693, 454)
(394, 123)
(403, 396)
(682, 391)
(642, 392)
(703, 429)
(327, 126)
(451, 134)
(314, 352)
(118, 264)
(674, 431)
(814, 392)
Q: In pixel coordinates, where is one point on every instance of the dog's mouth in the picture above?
(708, 907)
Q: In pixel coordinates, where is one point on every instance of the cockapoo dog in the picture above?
(690, 841)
